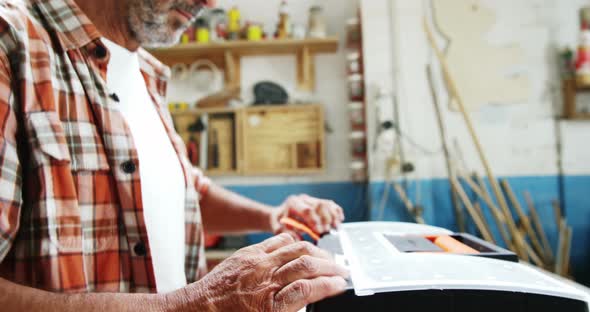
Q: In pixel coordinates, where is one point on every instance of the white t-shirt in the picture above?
(162, 179)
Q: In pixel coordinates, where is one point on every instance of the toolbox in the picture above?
(409, 267)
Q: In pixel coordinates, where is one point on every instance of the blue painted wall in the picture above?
(351, 196)
(435, 198)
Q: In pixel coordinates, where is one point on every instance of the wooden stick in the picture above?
(534, 257)
(525, 251)
(529, 252)
(516, 237)
(479, 211)
(454, 91)
(472, 211)
(526, 222)
(407, 202)
(559, 258)
(496, 213)
(557, 212)
(539, 226)
(567, 251)
(459, 216)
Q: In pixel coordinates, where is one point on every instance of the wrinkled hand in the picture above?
(277, 275)
(318, 214)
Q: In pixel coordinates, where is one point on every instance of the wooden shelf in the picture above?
(228, 54)
(579, 117)
(571, 88)
(188, 52)
(200, 111)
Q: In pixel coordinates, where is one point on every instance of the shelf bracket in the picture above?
(305, 69)
(233, 69)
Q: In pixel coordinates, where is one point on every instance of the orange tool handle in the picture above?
(300, 227)
(452, 245)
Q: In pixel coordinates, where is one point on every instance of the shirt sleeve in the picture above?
(202, 183)
(10, 167)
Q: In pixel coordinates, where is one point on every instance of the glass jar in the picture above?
(358, 144)
(317, 23)
(357, 115)
(358, 170)
(356, 87)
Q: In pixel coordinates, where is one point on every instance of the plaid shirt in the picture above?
(71, 216)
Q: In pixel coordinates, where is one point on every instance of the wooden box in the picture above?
(259, 140)
(283, 139)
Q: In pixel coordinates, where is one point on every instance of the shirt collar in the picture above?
(73, 28)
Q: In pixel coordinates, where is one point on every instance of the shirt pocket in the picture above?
(87, 152)
(47, 139)
(54, 145)
(74, 142)
(58, 211)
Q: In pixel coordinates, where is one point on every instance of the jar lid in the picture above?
(352, 21)
(353, 56)
(358, 165)
(355, 105)
(355, 77)
(357, 135)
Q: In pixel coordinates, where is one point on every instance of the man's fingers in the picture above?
(324, 211)
(341, 213)
(277, 242)
(308, 217)
(294, 234)
(308, 267)
(300, 293)
(337, 214)
(291, 252)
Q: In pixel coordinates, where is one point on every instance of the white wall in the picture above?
(518, 139)
(331, 81)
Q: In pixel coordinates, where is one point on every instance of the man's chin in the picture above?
(169, 41)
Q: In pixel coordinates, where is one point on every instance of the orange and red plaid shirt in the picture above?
(71, 213)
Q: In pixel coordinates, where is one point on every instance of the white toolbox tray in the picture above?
(376, 266)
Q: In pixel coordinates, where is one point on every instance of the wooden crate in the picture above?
(283, 139)
(262, 140)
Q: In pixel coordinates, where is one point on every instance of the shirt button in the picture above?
(100, 51)
(115, 97)
(128, 167)
(140, 249)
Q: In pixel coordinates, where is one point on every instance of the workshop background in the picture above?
(532, 140)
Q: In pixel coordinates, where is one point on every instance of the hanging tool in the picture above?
(214, 150)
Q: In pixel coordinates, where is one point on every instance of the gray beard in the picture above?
(151, 28)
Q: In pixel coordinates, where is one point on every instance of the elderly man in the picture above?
(100, 209)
